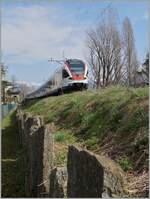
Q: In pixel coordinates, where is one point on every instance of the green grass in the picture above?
(64, 137)
(115, 118)
(60, 158)
(125, 163)
(13, 164)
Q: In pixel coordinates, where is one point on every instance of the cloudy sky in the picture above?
(34, 31)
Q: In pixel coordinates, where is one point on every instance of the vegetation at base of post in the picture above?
(64, 137)
(125, 163)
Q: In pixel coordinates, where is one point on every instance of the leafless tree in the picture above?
(25, 89)
(105, 56)
(130, 56)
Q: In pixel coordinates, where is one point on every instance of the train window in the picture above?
(76, 66)
(65, 73)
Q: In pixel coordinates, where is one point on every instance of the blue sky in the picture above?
(34, 31)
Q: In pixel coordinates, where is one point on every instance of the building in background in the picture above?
(142, 75)
(9, 92)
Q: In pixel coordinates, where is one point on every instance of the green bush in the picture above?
(64, 137)
(59, 137)
(92, 142)
(125, 163)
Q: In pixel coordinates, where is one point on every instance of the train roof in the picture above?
(74, 61)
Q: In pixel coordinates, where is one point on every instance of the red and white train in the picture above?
(71, 75)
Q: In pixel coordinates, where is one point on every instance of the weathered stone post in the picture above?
(93, 176)
(37, 139)
(85, 175)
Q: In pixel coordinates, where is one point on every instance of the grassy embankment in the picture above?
(13, 167)
(113, 121)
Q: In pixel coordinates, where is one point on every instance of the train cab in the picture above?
(75, 73)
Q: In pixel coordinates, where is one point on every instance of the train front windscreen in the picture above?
(76, 66)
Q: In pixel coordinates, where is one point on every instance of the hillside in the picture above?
(112, 121)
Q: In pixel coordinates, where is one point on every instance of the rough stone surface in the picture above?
(48, 153)
(58, 183)
(85, 175)
(90, 175)
(38, 142)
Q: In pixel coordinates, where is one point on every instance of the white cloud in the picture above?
(32, 34)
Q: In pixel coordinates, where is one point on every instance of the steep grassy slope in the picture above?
(113, 121)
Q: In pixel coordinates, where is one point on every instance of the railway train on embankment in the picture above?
(72, 75)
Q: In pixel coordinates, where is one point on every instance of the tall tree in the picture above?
(25, 89)
(104, 45)
(130, 56)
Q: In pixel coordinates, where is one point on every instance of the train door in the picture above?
(65, 76)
